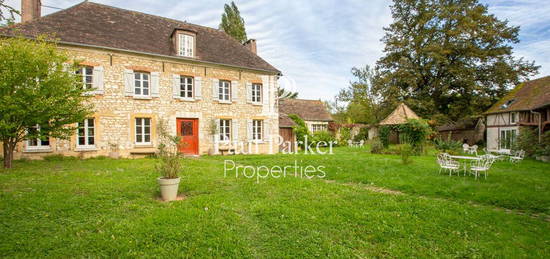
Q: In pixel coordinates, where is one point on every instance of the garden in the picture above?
(367, 205)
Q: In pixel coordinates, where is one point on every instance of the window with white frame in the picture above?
(86, 74)
(185, 47)
(186, 86)
(513, 117)
(257, 129)
(318, 127)
(85, 133)
(37, 143)
(142, 83)
(256, 93)
(143, 130)
(507, 138)
(225, 130)
(224, 90)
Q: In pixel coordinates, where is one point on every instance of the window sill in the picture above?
(224, 102)
(257, 104)
(185, 99)
(93, 93)
(38, 150)
(140, 97)
(85, 148)
(143, 145)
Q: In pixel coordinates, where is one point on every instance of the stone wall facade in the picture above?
(115, 111)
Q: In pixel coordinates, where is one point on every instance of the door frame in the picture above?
(196, 124)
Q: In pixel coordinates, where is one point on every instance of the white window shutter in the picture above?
(129, 83)
(176, 86)
(217, 135)
(265, 90)
(249, 129)
(197, 84)
(234, 91)
(267, 130)
(248, 92)
(215, 89)
(235, 129)
(97, 79)
(155, 84)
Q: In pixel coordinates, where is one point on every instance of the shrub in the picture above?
(528, 141)
(415, 132)
(324, 136)
(376, 146)
(405, 150)
(169, 156)
(345, 135)
(300, 129)
(362, 135)
(447, 146)
(384, 135)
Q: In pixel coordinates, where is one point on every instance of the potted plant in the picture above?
(169, 164)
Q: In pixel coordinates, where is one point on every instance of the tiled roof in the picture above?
(529, 95)
(399, 116)
(308, 110)
(110, 27)
(464, 124)
(285, 121)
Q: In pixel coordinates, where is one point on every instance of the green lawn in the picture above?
(107, 208)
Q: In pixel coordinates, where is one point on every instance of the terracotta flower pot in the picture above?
(169, 188)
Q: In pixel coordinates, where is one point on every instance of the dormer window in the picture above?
(186, 44)
(507, 104)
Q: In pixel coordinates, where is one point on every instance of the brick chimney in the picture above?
(30, 10)
(251, 45)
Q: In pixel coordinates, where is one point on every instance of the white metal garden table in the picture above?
(465, 160)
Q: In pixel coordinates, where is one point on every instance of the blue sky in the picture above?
(316, 43)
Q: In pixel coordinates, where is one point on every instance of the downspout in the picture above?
(539, 124)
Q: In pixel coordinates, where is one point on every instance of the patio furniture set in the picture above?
(477, 164)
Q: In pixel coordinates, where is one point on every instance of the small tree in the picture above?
(7, 13)
(415, 132)
(169, 165)
(232, 22)
(300, 129)
(36, 89)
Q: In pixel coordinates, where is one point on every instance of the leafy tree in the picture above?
(36, 89)
(300, 129)
(364, 103)
(232, 22)
(282, 93)
(7, 13)
(448, 58)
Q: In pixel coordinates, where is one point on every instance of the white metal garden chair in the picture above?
(447, 164)
(493, 156)
(517, 157)
(472, 149)
(465, 147)
(481, 166)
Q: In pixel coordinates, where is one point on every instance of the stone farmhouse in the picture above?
(143, 69)
(314, 112)
(526, 106)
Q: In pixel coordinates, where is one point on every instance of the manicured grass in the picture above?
(523, 187)
(107, 208)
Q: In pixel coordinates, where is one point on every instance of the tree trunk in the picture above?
(8, 154)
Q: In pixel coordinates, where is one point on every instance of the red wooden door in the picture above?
(188, 130)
